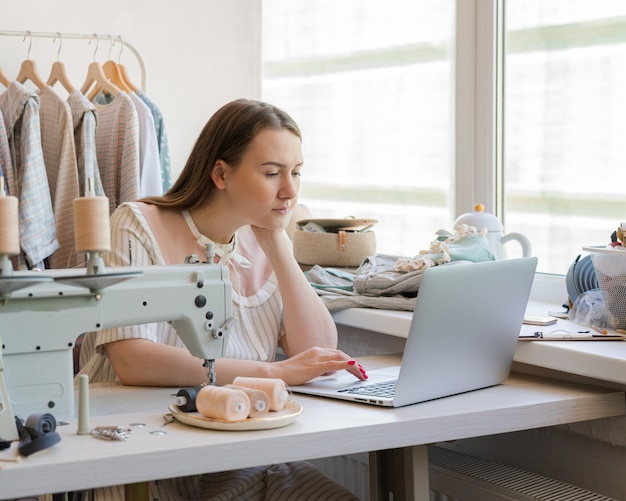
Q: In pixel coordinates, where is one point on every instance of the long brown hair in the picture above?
(226, 137)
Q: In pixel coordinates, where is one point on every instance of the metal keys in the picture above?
(111, 432)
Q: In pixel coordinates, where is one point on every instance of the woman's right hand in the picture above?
(314, 362)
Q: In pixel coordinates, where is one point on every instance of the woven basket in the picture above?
(341, 249)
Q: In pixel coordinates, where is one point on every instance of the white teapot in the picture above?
(482, 220)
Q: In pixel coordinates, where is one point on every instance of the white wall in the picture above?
(199, 54)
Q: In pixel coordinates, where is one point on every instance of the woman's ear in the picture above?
(219, 175)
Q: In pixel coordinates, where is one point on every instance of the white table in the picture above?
(326, 428)
(601, 360)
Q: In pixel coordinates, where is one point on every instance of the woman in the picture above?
(237, 190)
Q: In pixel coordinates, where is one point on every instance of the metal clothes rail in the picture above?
(84, 36)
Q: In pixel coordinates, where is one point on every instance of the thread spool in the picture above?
(276, 389)
(38, 433)
(186, 399)
(83, 405)
(9, 226)
(92, 231)
(259, 400)
(227, 404)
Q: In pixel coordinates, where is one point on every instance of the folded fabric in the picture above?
(377, 276)
(392, 282)
(335, 287)
(376, 286)
(329, 278)
(340, 300)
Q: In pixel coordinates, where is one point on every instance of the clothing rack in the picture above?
(82, 36)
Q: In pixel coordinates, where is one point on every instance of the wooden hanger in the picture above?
(4, 80)
(28, 71)
(121, 69)
(97, 80)
(128, 81)
(58, 74)
(112, 72)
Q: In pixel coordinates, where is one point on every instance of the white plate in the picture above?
(606, 250)
(274, 419)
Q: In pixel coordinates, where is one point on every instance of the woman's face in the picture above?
(264, 187)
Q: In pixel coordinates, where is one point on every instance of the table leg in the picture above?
(399, 474)
(137, 492)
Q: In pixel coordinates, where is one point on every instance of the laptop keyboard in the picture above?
(382, 389)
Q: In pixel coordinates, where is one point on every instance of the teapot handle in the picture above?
(523, 241)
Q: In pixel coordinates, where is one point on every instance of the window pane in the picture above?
(370, 84)
(565, 153)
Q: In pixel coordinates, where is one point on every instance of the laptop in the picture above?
(463, 336)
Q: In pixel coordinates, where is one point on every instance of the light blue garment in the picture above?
(474, 248)
(164, 149)
(20, 110)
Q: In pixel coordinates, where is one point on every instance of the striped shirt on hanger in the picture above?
(117, 150)
(59, 152)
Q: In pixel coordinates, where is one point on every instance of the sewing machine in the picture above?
(43, 313)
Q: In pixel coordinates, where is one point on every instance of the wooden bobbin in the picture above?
(92, 231)
(9, 226)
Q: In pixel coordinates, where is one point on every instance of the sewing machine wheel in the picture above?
(98, 282)
(14, 283)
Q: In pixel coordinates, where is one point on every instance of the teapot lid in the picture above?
(480, 219)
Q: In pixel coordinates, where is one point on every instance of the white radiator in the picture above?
(351, 471)
(455, 476)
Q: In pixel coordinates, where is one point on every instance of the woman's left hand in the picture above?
(304, 366)
(268, 239)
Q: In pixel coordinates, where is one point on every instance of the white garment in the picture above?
(151, 181)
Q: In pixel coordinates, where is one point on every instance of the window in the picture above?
(565, 117)
(371, 85)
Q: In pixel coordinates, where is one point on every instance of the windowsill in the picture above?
(601, 360)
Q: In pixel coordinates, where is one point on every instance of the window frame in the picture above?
(479, 106)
